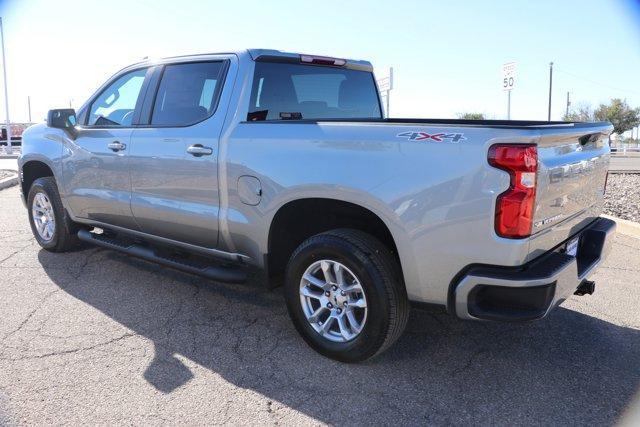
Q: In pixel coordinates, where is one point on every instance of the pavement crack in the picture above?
(17, 251)
(29, 315)
(72, 351)
(619, 268)
(470, 361)
(85, 262)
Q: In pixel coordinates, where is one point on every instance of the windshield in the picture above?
(291, 91)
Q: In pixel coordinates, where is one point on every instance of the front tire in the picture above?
(345, 295)
(50, 223)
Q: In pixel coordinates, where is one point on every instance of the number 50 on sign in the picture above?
(508, 76)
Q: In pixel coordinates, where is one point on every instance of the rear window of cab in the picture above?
(283, 91)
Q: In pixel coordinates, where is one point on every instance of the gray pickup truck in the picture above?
(217, 163)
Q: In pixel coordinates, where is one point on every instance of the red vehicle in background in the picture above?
(16, 133)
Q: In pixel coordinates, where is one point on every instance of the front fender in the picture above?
(45, 145)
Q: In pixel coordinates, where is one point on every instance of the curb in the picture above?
(630, 228)
(9, 182)
(14, 155)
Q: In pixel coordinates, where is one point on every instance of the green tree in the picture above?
(620, 114)
(471, 116)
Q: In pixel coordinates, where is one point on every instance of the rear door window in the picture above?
(187, 94)
(291, 91)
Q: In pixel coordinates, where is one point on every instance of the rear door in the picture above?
(96, 164)
(174, 170)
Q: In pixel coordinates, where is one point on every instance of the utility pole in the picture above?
(29, 107)
(568, 104)
(390, 87)
(6, 92)
(550, 86)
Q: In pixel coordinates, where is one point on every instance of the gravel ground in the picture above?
(622, 198)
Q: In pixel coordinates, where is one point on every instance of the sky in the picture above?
(447, 56)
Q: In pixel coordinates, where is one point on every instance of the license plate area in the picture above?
(571, 247)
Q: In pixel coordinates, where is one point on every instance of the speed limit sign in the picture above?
(508, 75)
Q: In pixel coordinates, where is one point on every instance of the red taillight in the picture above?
(323, 60)
(514, 207)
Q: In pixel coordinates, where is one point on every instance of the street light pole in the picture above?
(6, 91)
(550, 86)
(29, 107)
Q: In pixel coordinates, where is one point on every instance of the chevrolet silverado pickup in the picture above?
(217, 163)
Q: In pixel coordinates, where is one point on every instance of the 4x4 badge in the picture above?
(437, 137)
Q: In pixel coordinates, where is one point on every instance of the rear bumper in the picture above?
(529, 292)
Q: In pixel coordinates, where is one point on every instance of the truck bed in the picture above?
(500, 124)
(440, 193)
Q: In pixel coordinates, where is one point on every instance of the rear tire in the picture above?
(330, 314)
(51, 226)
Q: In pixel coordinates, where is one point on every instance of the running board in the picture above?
(219, 274)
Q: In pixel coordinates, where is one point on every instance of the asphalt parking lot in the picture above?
(95, 337)
(629, 163)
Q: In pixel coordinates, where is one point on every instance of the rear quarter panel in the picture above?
(436, 198)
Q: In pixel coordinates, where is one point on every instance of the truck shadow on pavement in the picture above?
(569, 368)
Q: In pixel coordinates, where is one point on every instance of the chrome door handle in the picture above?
(116, 146)
(198, 150)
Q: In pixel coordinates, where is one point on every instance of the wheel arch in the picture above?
(32, 170)
(299, 219)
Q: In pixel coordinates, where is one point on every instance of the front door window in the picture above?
(115, 105)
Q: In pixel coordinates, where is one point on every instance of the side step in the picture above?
(220, 274)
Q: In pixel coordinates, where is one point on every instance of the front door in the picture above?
(96, 163)
(174, 170)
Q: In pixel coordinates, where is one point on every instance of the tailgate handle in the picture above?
(592, 137)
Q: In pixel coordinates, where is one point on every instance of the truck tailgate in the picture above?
(572, 169)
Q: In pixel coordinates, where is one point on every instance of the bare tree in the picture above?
(471, 116)
(583, 113)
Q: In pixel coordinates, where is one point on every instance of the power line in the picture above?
(598, 83)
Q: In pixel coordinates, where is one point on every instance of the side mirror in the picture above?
(64, 118)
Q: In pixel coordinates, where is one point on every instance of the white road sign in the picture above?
(386, 83)
(508, 75)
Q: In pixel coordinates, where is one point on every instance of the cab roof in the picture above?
(272, 55)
